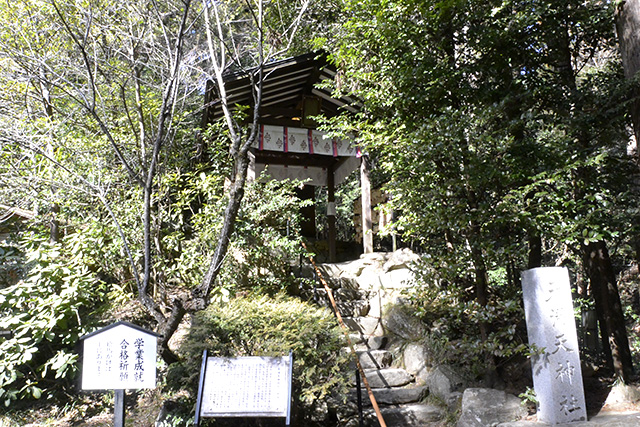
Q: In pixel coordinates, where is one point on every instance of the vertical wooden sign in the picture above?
(118, 357)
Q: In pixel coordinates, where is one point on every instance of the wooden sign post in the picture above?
(118, 357)
(245, 387)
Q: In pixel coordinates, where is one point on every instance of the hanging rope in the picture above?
(372, 398)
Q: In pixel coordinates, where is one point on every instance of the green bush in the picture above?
(453, 318)
(267, 240)
(260, 325)
(47, 311)
(263, 247)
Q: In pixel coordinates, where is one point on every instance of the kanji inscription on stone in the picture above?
(557, 377)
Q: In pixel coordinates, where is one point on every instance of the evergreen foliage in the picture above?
(496, 124)
(261, 325)
(57, 301)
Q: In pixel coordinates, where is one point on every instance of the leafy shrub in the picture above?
(10, 263)
(46, 311)
(259, 325)
(453, 317)
(265, 243)
(267, 240)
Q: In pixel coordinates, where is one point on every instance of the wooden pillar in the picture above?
(54, 225)
(331, 213)
(365, 188)
(118, 410)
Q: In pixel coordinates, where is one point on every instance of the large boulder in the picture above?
(399, 321)
(400, 259)
(414, 358)
(485, 407)
(622, 394)
(442, 381)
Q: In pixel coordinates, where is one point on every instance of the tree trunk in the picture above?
(628, 28)
(535, 250)
(54, 225)
(482, 283)
(609, 308)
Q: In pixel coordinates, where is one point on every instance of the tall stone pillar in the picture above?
(557, 377)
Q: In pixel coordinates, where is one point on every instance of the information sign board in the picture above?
(120, 356)
(245, 387)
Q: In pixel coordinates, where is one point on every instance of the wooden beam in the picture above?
(297, 159)
(118, 410)
(279, 111)
(367, 223)
(279, 122)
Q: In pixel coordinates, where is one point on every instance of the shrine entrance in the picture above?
(289, 145)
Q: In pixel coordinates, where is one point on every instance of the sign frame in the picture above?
(241, 362)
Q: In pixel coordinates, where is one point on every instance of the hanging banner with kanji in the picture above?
(299, 140)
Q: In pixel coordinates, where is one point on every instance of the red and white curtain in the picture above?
(299, 140)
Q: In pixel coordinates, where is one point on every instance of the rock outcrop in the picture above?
(484, 407)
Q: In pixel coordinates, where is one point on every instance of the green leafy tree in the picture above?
(498, 127)
(99, 111)
(128, 75)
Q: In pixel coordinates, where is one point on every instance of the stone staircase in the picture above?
(362, 288)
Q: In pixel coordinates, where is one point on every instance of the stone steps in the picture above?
(360, 293)
(392, 396)
(410, 415)
(374, 359)
(351, 303)
(365, 289)
(386, 377)
(398, 395)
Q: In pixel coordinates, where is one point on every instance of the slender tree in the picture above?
(128, 73)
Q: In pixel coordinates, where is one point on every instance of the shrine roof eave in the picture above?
(286, 83)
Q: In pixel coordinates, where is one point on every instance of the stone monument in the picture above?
(557, 377)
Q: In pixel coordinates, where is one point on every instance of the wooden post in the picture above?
(203, 370)
(118, 411)
(367, 223)
(331, 213)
